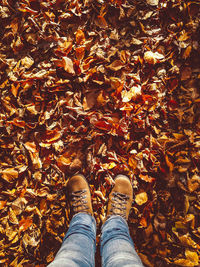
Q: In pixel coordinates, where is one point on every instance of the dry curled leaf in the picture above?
(153, 2)
(68, 65)
(153, 57)
(80, 37)
(116, 65)
(9, 175)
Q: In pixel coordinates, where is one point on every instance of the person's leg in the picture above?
(78, 247)
(117, 248)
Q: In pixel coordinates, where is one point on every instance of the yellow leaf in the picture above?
(192, 256)
(184, 262)
(132, 163)
(141, 198)
(187, 241)
(111, 165)
(184, 36)
(12, 217)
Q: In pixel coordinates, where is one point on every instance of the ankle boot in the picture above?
(120, 198)
(78, 195)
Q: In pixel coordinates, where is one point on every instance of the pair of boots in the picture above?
(120, 198)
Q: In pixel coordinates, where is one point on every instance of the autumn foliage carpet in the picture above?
(104, 87)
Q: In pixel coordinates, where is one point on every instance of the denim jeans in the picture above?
(78, 247)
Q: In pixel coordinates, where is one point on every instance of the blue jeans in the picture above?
(78, 247)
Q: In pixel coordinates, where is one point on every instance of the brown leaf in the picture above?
(100, 195)
(31, 237)
(101, 22)
(80, 52)
(186, 73)
(9, 175)
(187, 52)
(17, 123)
(194, 183)
(52, 136)
(27, 62)
(116, 65)
(131, 94)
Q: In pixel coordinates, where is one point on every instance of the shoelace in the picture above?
(119, 201)
(77, 199)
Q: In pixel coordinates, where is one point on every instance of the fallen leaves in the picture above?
(101, 87)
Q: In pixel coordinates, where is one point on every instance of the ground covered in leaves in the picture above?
(104, 87)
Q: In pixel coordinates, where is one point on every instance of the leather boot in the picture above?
(78, 195)
(120, 198)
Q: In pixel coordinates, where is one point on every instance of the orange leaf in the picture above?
(146, 178)
(2, 204)
(187, 51)
(63, 161)
(31, 146)
(132, 163)
(24, 224)
(43, 205)
(17, 123)
(80, 37)
(143, 222)
(80, 52)
(14, 89)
